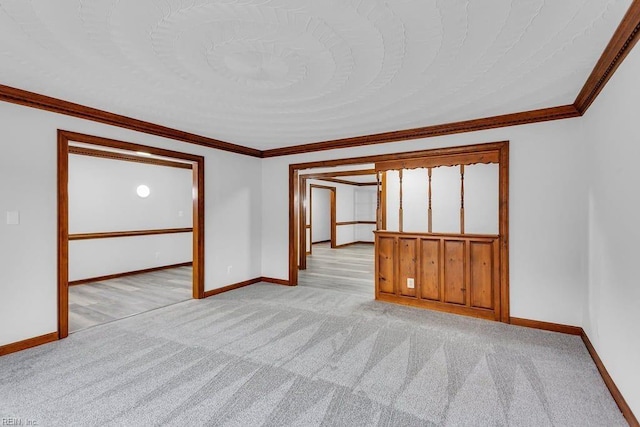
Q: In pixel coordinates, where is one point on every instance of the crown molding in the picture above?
(43, 102)
(623, 40)
(525, 117)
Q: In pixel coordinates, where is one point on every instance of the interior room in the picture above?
(130, 234)
(470, 259)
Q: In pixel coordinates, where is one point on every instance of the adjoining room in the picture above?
(130, 233)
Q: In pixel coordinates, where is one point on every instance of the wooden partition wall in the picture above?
(453, 272)
(459, 273)
(450, 272)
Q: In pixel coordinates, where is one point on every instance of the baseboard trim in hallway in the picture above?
(546, 326)
(228, 288)
(128, 273)
(275, 281)
(238, 285)
(28, 343)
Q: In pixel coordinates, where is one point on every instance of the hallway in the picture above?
(347, 269)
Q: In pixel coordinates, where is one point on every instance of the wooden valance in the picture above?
(443, 160)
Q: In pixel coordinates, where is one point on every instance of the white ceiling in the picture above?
(273, 73)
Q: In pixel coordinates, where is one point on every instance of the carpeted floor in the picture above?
(273, 355)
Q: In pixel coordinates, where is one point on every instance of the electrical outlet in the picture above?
(411, 283)
(157, 255)
(229, 268)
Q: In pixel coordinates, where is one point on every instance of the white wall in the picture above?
(102, 197)
(548, 219)
(345, 211)
(321, 214)
(392, 200)
(612, 309)
(28, 252)
(480, 199)
(102, 257)
(366, 200)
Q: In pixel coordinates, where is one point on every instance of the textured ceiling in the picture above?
(273, 73)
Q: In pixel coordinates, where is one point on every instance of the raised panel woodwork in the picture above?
(456, 273)
(386, 266)
(430, 270)
(408, 266)
(481, 279)
(454, 268)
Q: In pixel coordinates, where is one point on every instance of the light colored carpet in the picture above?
(273, 355)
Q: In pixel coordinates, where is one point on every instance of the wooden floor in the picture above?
(100, 302)
(349, 269)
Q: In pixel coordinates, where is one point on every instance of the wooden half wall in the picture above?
(458, 273)
(446, 272)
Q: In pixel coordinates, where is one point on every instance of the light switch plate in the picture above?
(13, 217)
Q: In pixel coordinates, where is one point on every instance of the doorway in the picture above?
(355, 224)
(70, 143)
(336, 229)
(445, 258)
(321, 216)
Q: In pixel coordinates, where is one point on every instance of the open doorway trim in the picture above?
(305, 202)
(64, 138)
(501, 146)
(332, 213)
